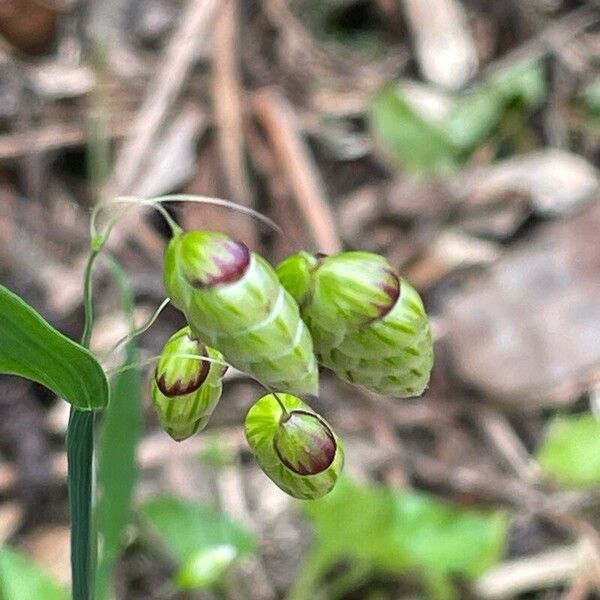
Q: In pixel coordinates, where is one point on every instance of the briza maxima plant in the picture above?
(350, 312)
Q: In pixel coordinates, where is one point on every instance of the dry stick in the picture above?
(187, 38)
(541, 571)
(502, 436)
(21, 253)
(284, 212)
(496, 488)
(549, 40)
(523, 574)
(178, 58)
(580, 589)
(277, 117)
(227, 108)
(52, 137)
(172, 160)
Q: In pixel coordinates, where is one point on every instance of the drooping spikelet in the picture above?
(185, 388)
(294, 446)
(368, 325)
(234, 301)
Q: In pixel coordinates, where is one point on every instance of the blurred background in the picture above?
(459, 138)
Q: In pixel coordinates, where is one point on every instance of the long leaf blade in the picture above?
(119, 437)
(30, 347)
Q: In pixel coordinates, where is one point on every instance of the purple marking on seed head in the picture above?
(310, 446)
(231, 260)
(180, 387)
(392, 290)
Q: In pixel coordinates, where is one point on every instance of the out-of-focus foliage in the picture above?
(440, 146)
(30, 347)
(217, 451)
(591, 100)
(203, 542)
(570, 453)
(398, 532)
(22, 580)
(118, 440)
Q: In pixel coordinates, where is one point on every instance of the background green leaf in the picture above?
(119, 436)
(398, 532)
(570, 453)
(203, 541)
(441, 146)
(20, 579)
(31, 348)
(405, 137)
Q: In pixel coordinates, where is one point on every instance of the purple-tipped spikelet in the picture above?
(368, 325)
(295, 447)
(185, 388)
(233, 301)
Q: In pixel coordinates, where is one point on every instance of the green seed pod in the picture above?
(368, 325)
(295, 447)
(233, 300)
(185, 391)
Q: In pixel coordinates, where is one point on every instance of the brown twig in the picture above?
(277, 117)
(162, 92)
(285, 212)
(502, 436)
(227, 107)
(52, 137)
(549, 40)
(548, 569)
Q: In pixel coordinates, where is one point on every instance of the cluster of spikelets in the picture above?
(349, 312)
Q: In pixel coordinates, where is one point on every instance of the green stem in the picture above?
(80, 457)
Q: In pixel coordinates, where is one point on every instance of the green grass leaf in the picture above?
(20, 579)
(204, 542)
(31, 348)
(405, 531)
(119, 436)
(570, 453)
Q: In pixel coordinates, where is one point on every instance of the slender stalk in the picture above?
(286, 414)
(88, 323)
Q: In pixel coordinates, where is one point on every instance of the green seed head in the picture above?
(295, 273)
(368, 325)
(186, 390)
(233, 300)
(295, 447)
